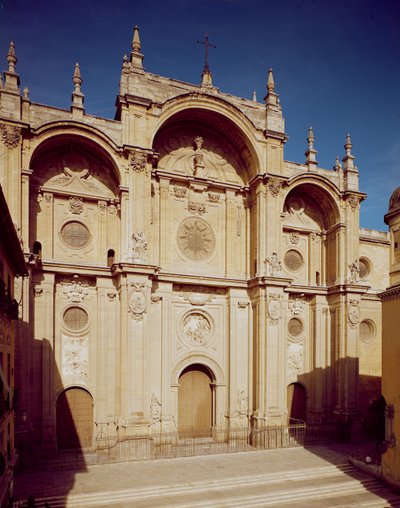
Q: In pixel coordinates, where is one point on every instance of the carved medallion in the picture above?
(196, 239)
(137, 302)
(180, 192)
(137, 162)
(274, 309)
(274, 186)
(213, 197)
(294, 238)
(196, 329)
(353, 313)
(197, 208)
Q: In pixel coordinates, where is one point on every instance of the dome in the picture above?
(394, 202)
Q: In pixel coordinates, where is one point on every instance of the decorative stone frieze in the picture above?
(213, 197)
(180, 192)
(10, 135)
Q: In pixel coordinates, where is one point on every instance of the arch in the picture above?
(216, 115)
(74, 418)
(209, 363)
(297, 401)
(195, 401)
(110, 257)
(37, 248)
(50, 135)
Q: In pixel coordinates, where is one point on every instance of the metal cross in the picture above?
(207, 45)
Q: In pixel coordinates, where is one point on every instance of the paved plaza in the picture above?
(296, 477)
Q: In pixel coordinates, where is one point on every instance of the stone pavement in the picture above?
(296, 477)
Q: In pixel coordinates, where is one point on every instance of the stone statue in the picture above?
(274, 266)
(354, 271)
(139, 247)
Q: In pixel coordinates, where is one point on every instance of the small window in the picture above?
(37, 248)
(110, 257)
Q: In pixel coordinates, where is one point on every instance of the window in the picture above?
(75, 234)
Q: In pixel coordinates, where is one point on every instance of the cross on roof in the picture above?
(207, 45)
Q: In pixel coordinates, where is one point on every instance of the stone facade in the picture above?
(174, 241)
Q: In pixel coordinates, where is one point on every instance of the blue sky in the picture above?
(336, 65)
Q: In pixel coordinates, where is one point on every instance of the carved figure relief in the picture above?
(353, 201)
(296, 306)
(294, 238)
(198, 163)
(213, 197)
(196, 239)
(354, 272)
(76, 290)
(196, 329)
(353, 313)
(274, 309)
(137, 301)
(139, 247)
(295, 353)
(75, 205)
(155, 411)
(75, 357)
(242, 405)
(273, 265)
(10, 135)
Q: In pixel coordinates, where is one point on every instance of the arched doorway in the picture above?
(195, 407)
(297, 401)
(74, 419)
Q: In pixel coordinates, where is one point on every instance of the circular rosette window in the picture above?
(293, 260)
(75, 234)
(196, 239)
(196, 329)
(76, 319)
(365, 268)
(367, 330)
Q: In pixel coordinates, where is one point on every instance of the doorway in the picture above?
(297, 401)
(195, 402)
(74, 419)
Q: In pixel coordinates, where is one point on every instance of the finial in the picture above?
(136, 58)
(348, 146)
(337, 166)
(311, 152)
(125, 58)
(254, 96)
(26, 93)
(136, 40)
(310, 138)
(11, 58)
(77, 96)
(270, 82)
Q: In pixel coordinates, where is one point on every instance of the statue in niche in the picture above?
(274, 266)
(139, 247)
(199, 157)
(242, 404)
(354, 271)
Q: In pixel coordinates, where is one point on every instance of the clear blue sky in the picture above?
(336, 65)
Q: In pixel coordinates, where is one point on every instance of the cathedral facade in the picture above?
(184, 276)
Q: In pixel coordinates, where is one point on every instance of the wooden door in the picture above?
(74, 419)
(195, 402)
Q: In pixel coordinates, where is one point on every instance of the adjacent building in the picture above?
(183, 275)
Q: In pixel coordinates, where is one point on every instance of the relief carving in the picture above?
(37, 291)
(274, 309)
(353, 313)
(295, 353)
(294, 238)
(354, 272)
(137, 162)
(274, 186)
(10, 135)
(198, 162)
(180, 192)
(75, 291)
(139, 247)
(197, 208)
(213, 197)
(242, 404)
(155, 411)
(296, 305)
(353, 201)
(76, 205)
(273, 265)
(137, 302)
(75, 357)
(196, 239)
(196, 329)
(111, 296)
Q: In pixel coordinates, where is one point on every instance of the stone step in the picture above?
(308, 485)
